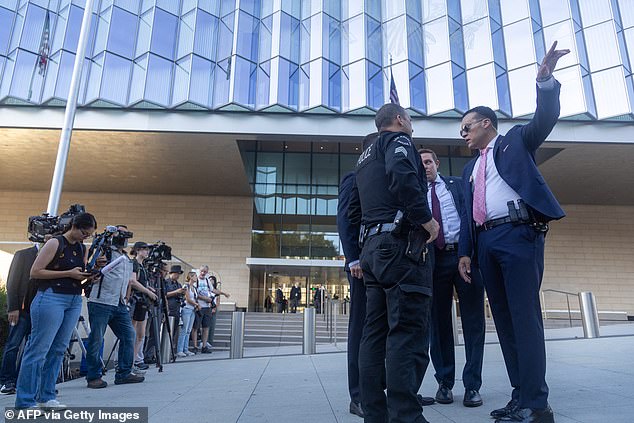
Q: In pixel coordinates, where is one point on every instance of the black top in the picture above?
(141, 273)
(67, 257)
(173, 303)
(390, 177)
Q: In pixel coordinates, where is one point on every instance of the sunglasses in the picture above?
(86, 233)
(466, 128)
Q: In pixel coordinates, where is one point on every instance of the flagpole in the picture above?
(69, 115)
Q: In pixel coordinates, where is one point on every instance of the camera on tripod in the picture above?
(158, 255)
(111, 236)
(40, 226)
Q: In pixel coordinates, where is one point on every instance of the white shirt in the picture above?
(498, 192)
(448, 210)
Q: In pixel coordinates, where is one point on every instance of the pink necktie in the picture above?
(479, 193)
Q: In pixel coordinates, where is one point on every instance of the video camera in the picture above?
(111, 236)
(40, 226)
(159, 253)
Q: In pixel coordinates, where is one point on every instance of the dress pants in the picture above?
(17, 333)
(355, 330)
(511, 259)
(471, 296)
(393, 351)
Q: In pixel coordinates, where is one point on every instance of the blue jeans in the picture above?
(53, 317)
(118, 318)
(9, 372)
(188, 315)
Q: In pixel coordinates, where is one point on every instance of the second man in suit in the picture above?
(445, 196)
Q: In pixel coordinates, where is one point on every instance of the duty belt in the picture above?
(490, 224)
(379, 228)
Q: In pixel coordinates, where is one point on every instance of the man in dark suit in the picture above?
(279, 299)
(447, 202)
(349, 236)
(296, 296)
(508, 205)
(19, 318)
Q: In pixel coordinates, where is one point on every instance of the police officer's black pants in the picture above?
(393, 352)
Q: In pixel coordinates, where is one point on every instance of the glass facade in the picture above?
(323, 56)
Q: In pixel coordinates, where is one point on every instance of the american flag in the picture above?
(393, 92)
(45, 46)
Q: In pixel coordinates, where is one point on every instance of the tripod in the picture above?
(68, 354)
(159, 315)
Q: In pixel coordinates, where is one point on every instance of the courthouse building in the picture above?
(223, 127)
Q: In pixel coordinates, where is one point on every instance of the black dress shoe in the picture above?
(444, 395)
(529, 415)
(355, 408)
(472, 398)
(506, 410)
(425, 401)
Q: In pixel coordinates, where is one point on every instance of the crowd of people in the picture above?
(46, 285)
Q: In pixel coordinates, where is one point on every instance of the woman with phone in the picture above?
(59, 269)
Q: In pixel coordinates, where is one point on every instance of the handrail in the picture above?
(567, 294)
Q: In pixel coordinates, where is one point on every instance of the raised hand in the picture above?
(550, 61)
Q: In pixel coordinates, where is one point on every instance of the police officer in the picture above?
(390, 201)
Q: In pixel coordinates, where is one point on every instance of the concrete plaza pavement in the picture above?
(591, 380)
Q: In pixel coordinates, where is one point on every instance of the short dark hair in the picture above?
(428, 151)
(484, 112)
(369, 139)
(386, 115)
(84, 221)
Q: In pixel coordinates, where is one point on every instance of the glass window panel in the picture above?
(348, 162)
(24, 74)
(247, 37)
(628, 34)
(131, 6)
(417, 88)
(263, 85)
(227, 6)
(553, 11)
(266, 8)
(139, 72)
(295, 244)
(610, 93)
(472, 10)
(266, 39)
(332, 8)
(518, 41)
(439, 89)
(71, 38)
(201, 77)
(433, 9)
(64, 73)
(375, 86)
(145, 33)
(205, 37)
(477, 43)
(373, 8)
(513, 10)
(32, 29)
(334, 86)
(395, 40)
(325, 169)
(415, 42)
(6, 24)
(572, 96)
(5, 82)
(288, 89)
(456, 43)
(116, 79)
(159, 80)
(181, 80)
(623, 51)
(355, 44)
(221, 83)
(101, 32)
(185, 44)
(289, 38)
(304, 30)
(523, 91)
(210, 6)
(373, 37)
(602, 46)
(595, 11)
(564, 35)
(225, 37)
(296, 168)
(17, 27)
(351, 9)
(627, 13)
(250, 6)
(332, 39)
(3, 60)
(414, 10)
(170, 6)
(460, 91)
(482, 87)
(121, 41)
(246, 74)
(393, 8)
(164, 34)
(436, 42)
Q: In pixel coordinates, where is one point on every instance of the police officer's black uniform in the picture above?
(394, 346)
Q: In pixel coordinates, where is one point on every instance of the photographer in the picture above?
(207, 299)
(175, 294)
(55, 310)
(107, 307)
(188, 312)
(142, 295)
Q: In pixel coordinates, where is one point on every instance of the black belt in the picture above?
(380, 228)
(490, 224)
(452, 246)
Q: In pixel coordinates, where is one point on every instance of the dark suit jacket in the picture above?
(514, 156)
(296, 293)
(18, 278)
(454, 186)
(348, 232)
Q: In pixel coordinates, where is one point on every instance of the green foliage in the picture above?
(4, 322)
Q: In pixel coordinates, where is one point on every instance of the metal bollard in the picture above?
(454, 323)
(589, 315)
(236, 349)
(309, 345)
(165, 339)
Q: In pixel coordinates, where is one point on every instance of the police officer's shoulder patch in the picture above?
(403, 140)
(401, 149)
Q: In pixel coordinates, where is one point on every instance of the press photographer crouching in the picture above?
(107, 307)
(55, 310)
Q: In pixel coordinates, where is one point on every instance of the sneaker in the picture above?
(181, 354)
(97, 383)
(206, 350)
(51, 405)
(8, 389)
(189, 353)
(141, 366)
(131, 378)
(137, 371)
(208, 345)
(195, 350)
